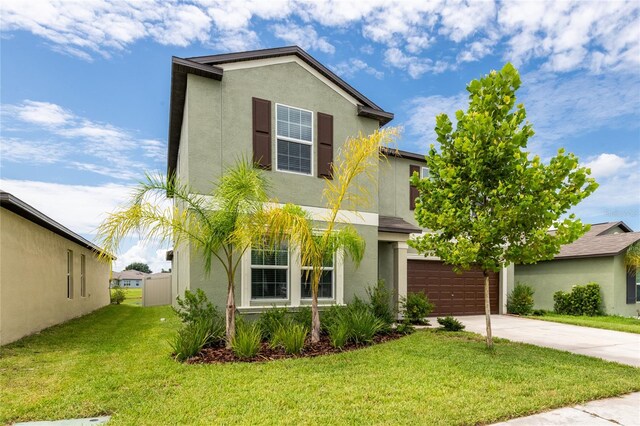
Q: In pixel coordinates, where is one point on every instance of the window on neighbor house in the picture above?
(294, 130)
(270, 273)
(637, 285)
(83, 278)
(69, 274)
(326, 284)
(424, 172)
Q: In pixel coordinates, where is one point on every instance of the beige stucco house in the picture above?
(48, 274)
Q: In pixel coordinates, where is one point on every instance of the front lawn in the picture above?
(116, 362)
(133, 296)
(608, 322)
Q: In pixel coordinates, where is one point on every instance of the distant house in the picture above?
(128, 279)
(48, 274)
(597, 256)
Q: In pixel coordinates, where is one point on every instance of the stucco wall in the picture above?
(33, 278)
(548, 277)
(220, 125)
(394, 189)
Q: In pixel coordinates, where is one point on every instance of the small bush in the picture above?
(581, 300)
(362, 324)
(405, 327)
(520, 300)
(290, 337)
(191, 338)
(538, 312)
(380, 303)
(194, 306)
(246, 343)
(329, 317)
(450, 323)
(303, 316)
(271, 320)
(117, 295)
(339, 333)
(416, 308)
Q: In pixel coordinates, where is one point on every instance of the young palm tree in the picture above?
(220, 225)
(354, 174)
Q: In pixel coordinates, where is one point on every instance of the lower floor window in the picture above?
(325, 286)
(270, 273)
(637, 286)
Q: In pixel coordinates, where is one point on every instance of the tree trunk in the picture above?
(487, 309)
(230, 314)
(315, 318)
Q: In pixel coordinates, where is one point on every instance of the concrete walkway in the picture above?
(606, 344)
(624, 410)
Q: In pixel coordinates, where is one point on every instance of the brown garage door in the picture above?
(451, 293)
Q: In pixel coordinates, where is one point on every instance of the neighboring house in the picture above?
(597, 256)
(292, 114)
(48, 274)
(128, 279)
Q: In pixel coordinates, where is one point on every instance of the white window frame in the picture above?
(424, 172)
(69, 275)
(333, 280)
(83, 278)
(288, 275)
(302, 141)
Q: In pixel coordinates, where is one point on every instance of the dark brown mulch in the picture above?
(218, 355)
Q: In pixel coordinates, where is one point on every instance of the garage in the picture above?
(451, 293)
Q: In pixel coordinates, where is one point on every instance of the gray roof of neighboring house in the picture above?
(205, 66)
(159, 275)
(598, 243)
(128, 275)
(19, 207)
(396, 224)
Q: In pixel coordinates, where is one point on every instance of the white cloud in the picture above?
(352, 66)
(422, 116)
(305, 37)
(606, 165)
(145, 252)
(414, 65)
(75, 141)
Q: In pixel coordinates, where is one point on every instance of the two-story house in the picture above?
(291, 114)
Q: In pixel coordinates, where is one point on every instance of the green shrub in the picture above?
(405, 327)
(331, 316)
(339, 333)
(362, 324)
(450, 323)
(520, 300)
(191, 338)
(303, 316)
(117, 295)
(247, 341)
(416, 308)
(380, 303)
(271, 320)
(194, 306)
(290, 337)
(538, 312)
(581, 300)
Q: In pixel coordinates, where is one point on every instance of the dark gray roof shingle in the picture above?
(598, 243)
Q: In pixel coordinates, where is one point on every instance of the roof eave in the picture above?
(383, 117)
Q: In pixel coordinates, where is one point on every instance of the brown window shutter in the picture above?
(413, 191)
(325, 146)
(262, 133)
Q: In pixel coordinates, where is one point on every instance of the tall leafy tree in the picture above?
(138, 266)
(355, 172)
(489, 203)
(219, 226)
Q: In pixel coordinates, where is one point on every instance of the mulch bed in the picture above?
(219, 355)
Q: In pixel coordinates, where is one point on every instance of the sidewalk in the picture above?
(623, 410)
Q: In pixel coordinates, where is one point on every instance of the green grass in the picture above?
(134, 296)
(608, 322)
(116, 361)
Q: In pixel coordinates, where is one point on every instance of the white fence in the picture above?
(156, 291)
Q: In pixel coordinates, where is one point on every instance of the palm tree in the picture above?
(219, 226)
(354, 173)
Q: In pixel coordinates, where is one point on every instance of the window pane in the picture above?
(293, 156)
(283, 128)
(305, 118)
(283, 113)
(294, 116)
(294, 131)
(271, 257)
(269, 283)
(305, 133)
(325, 286)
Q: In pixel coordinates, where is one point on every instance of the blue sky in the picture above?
(85, 85)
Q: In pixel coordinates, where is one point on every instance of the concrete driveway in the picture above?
(606, 344)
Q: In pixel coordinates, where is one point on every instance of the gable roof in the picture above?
(207, 66)
(19, 207)
(130, 274)
(597, 243)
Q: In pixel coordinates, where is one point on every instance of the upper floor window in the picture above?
(424, 172)
(270, 273)
(294, 130)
